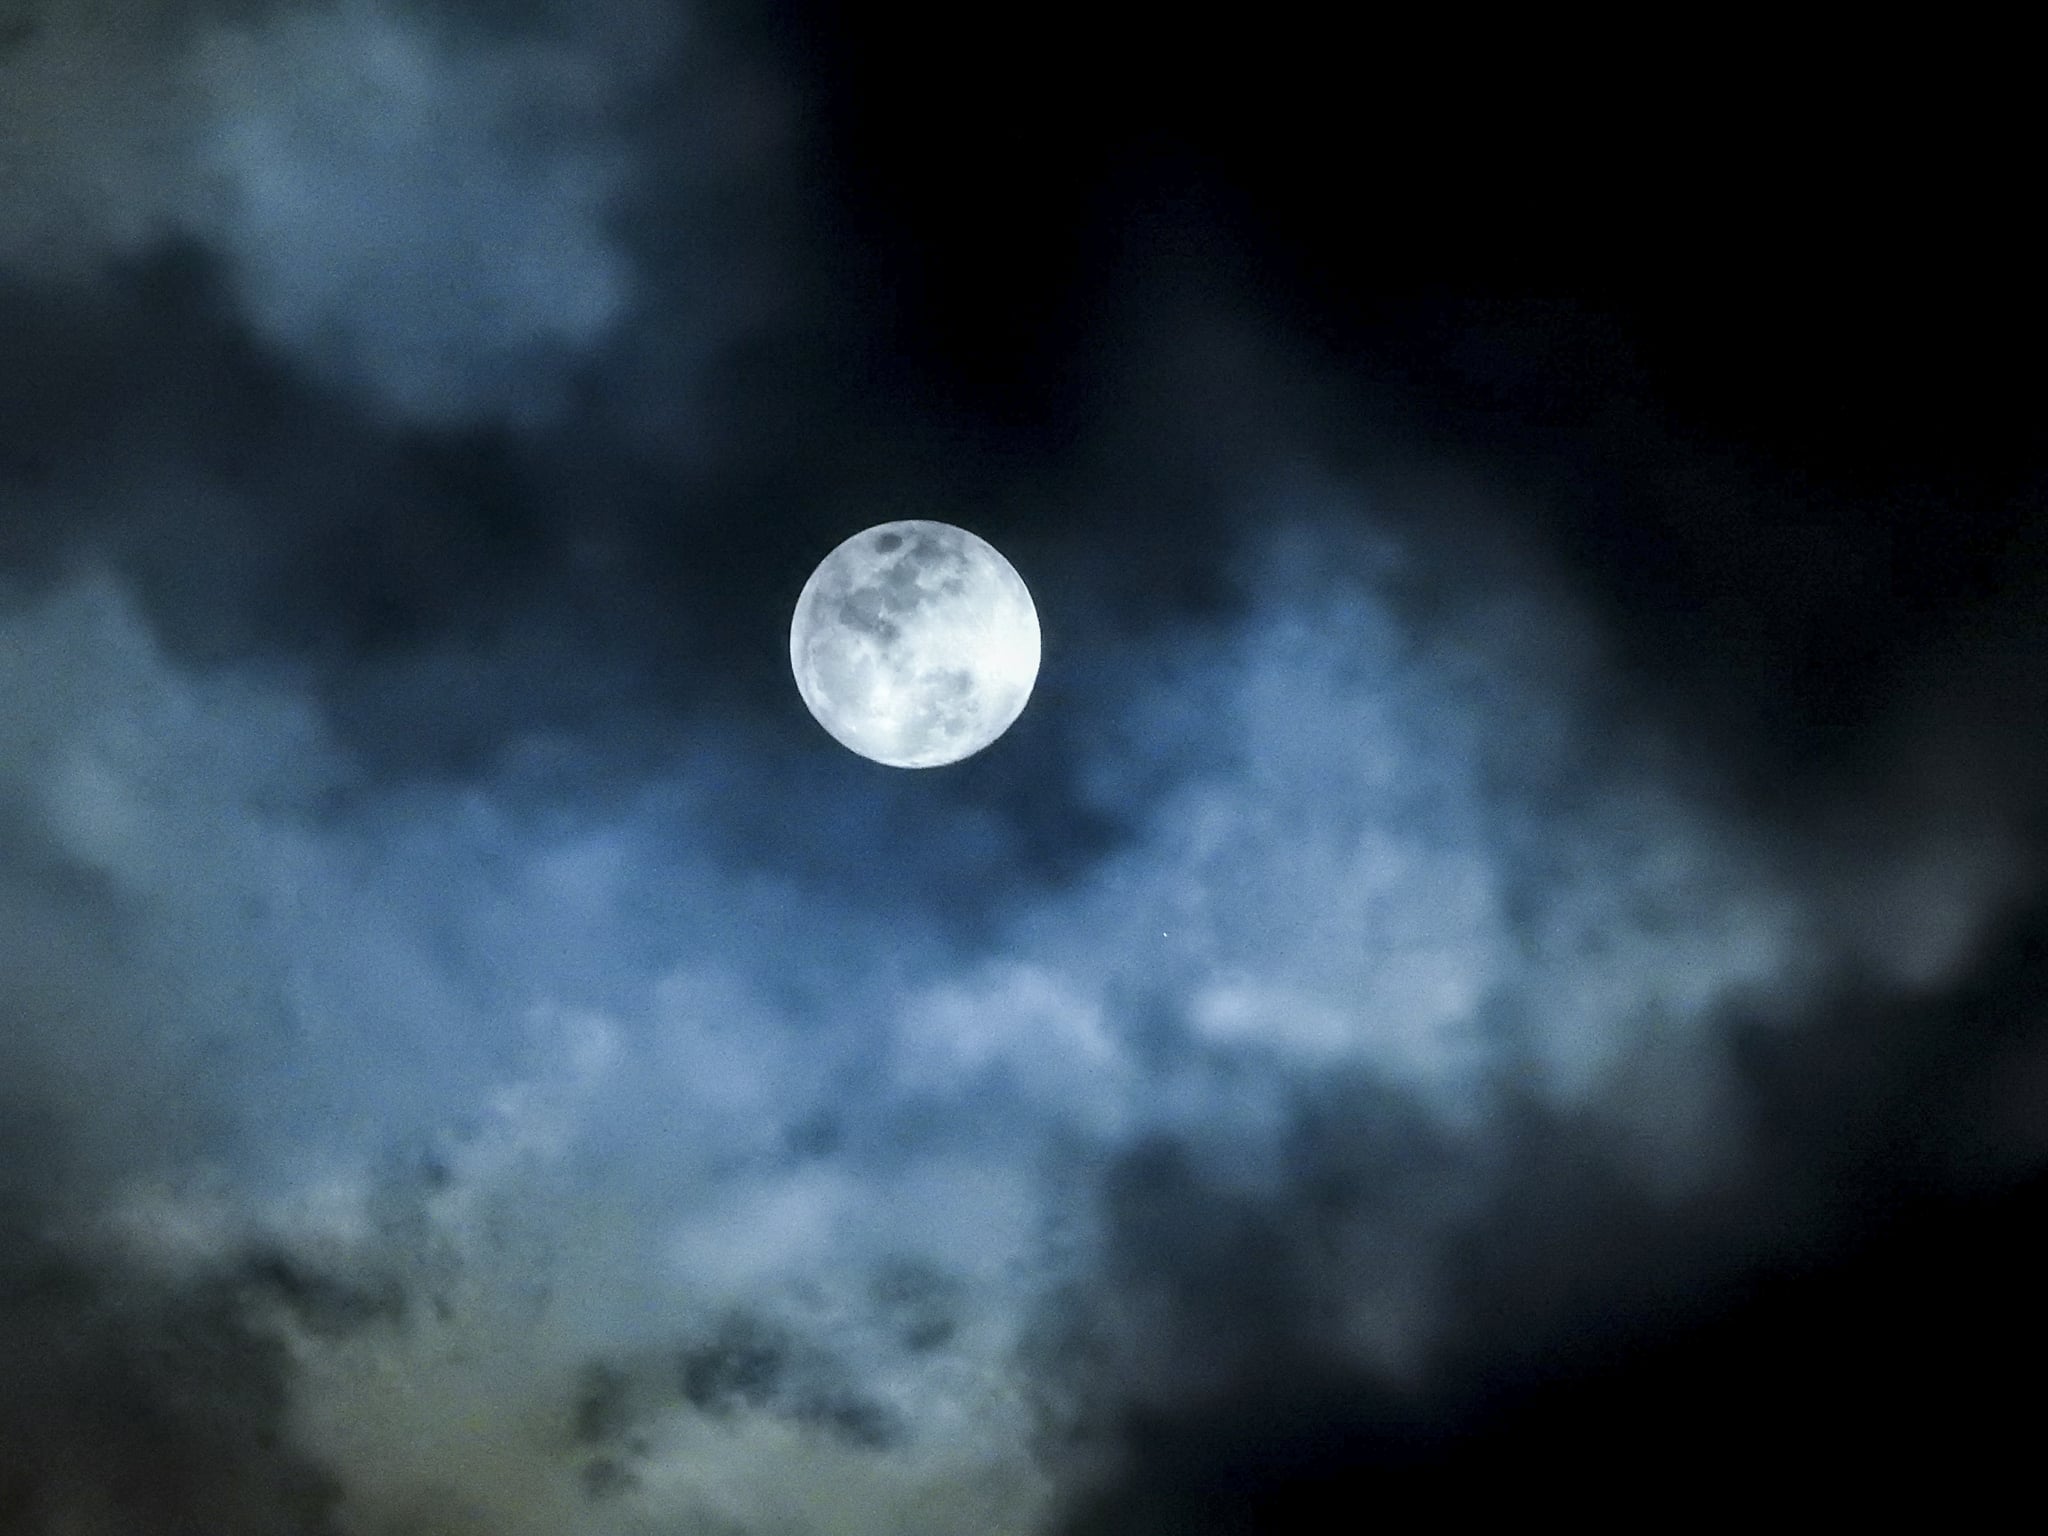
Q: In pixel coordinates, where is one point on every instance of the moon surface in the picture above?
(915, 644)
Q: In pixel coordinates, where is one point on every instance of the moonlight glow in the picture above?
(915, 644)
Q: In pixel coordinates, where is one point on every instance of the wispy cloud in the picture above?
(428, 212)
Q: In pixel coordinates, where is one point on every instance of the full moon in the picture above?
(915, 644)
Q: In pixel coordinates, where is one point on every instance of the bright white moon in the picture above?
(915, 644)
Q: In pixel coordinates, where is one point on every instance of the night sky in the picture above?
(1501, 972)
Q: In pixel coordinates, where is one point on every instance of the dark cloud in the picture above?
(130, 1407)
(479, 1059)
(426, 210)
(1392, 887)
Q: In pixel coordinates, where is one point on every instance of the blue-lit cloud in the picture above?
(422, 216)
(428, 212)
(708, 1188)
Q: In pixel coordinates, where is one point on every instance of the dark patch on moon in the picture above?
(899, 582)
(862, 610)
(952, 699)
(929, 567)
(886, 542)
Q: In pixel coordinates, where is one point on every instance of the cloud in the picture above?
(576, 1166)
(427, 1104)
(415, 212)
(95, 124)
(426, 211)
